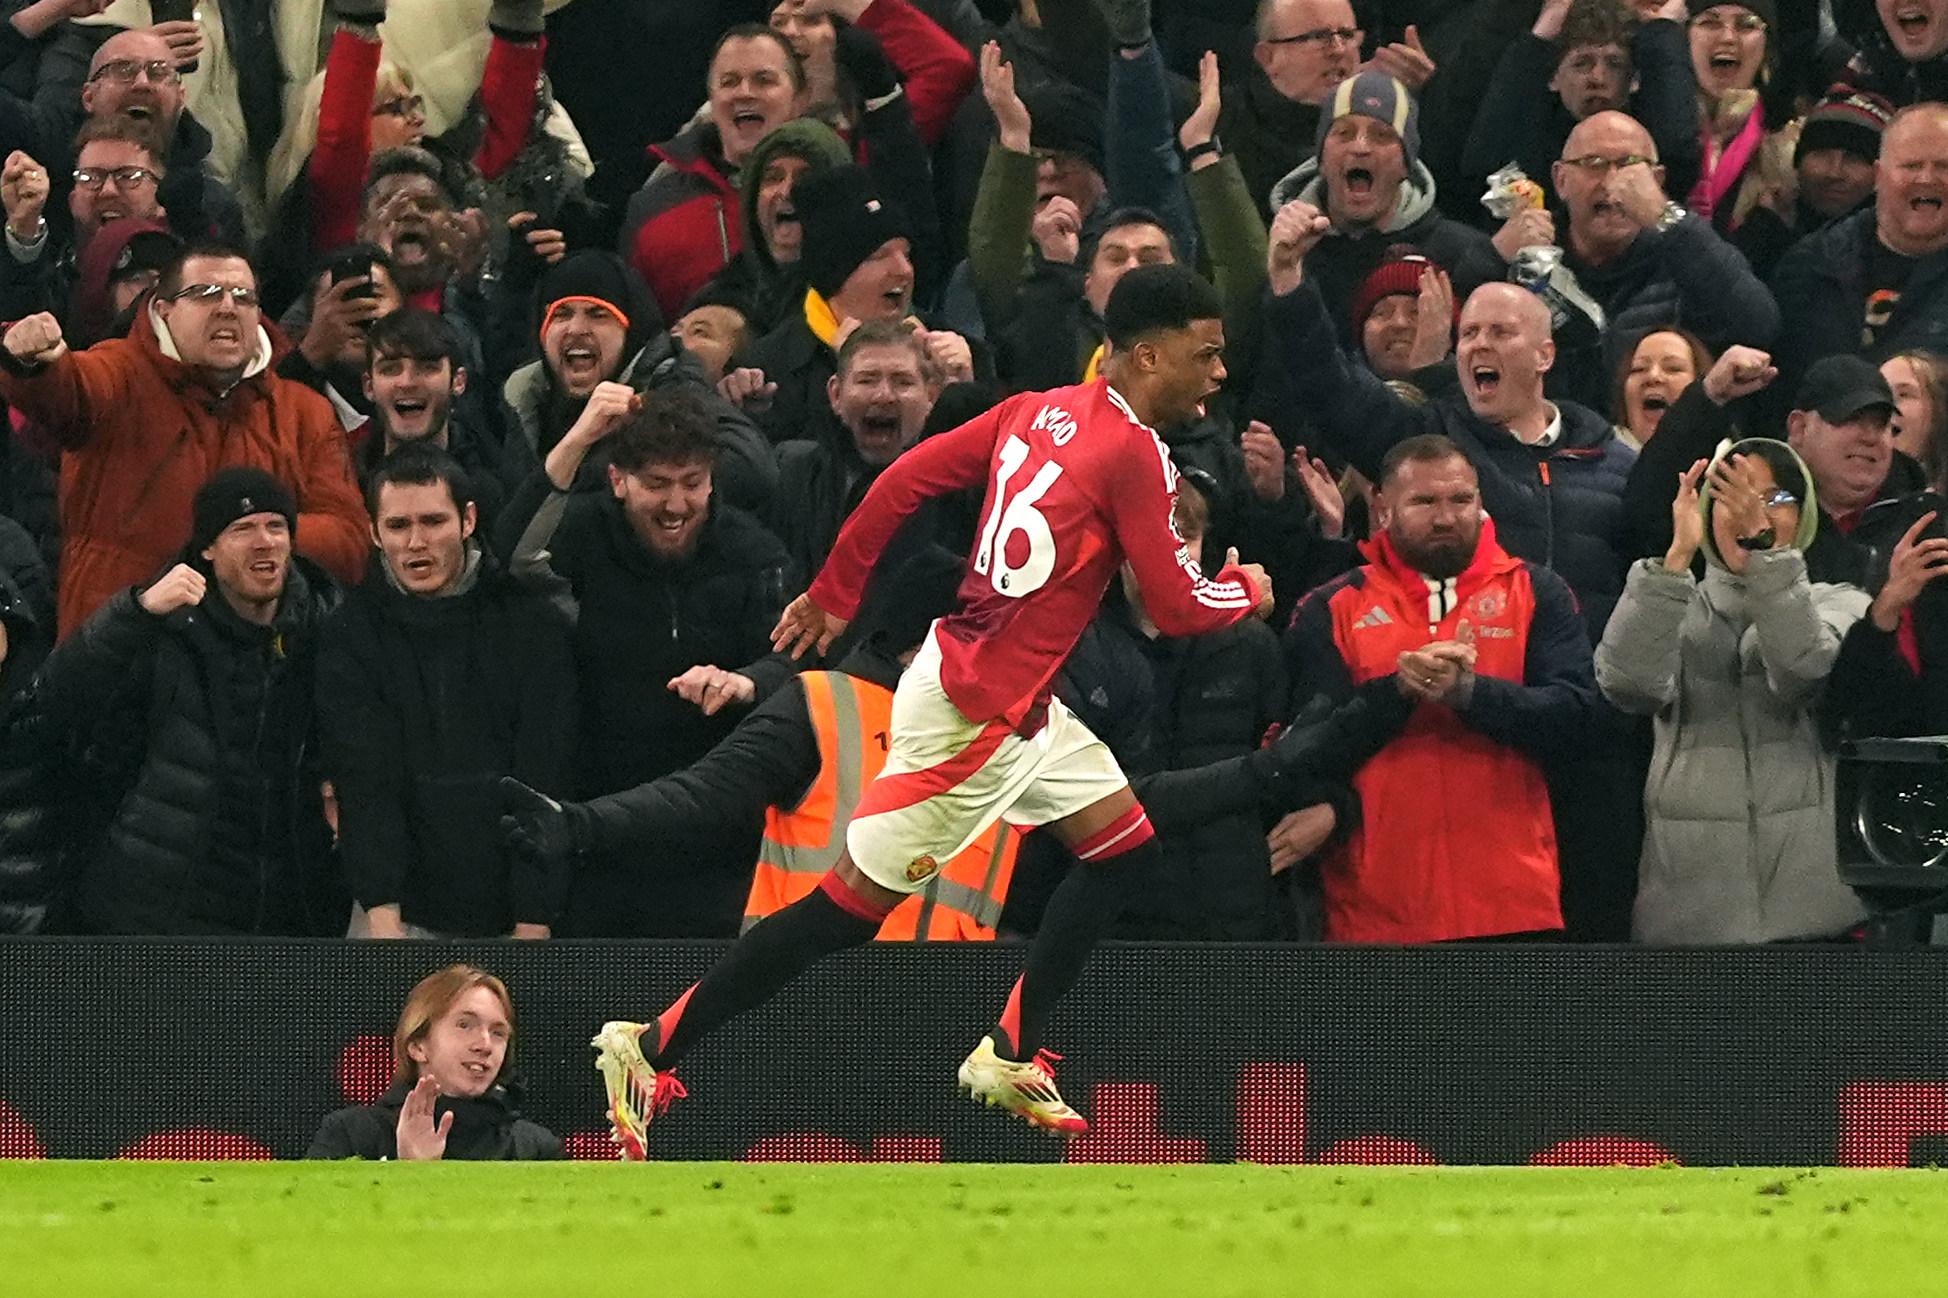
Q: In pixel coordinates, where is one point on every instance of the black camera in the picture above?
(1892, 829)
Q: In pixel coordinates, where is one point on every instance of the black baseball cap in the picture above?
(1839, 388)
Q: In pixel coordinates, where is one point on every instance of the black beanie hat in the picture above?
(1065, 119)
(236, 493)
(1846, 119)
(589, 273)
(845, 222)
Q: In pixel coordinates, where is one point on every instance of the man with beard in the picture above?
(674, 595)
(1550, 473)
(413, 377)
(190, 697)
(146, 419)
(596, 325)
(1491, 650)
(882, 395)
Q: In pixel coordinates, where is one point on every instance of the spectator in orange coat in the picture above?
(146, 420)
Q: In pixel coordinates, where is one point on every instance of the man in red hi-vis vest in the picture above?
(1077, 484)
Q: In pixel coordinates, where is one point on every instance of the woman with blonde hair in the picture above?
(451, 1093)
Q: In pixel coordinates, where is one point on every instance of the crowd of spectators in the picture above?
(418, 413)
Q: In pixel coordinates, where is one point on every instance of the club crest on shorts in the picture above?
(922, 867)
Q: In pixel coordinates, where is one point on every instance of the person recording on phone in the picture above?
(349, 290)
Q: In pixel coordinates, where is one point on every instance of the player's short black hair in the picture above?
(673, 427)
(1154, 298)
(420, 464)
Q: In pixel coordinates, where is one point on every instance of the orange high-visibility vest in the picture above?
(853, 721)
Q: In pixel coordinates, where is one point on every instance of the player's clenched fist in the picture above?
(36, 340)
(180, 587)
(1296, 231)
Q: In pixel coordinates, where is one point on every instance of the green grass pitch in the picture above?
(754, 1230)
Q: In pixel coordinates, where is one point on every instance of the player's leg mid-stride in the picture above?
(1111, 837)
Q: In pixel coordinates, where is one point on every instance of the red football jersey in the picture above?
(1075, 486)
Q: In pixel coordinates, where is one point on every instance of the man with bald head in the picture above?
(1270, 118)
(134, 76)
(1875, 283)
(1551, 471)
(1551, 475)
(1643, 258)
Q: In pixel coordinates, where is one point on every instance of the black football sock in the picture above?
(774, 951)
(1084, 908)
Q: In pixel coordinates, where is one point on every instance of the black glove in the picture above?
(360, 13)
(863, 59)
(539, 828)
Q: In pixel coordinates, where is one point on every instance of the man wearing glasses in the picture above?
(1643, 258)
(117, 174)
(133, 78)
(146, 419)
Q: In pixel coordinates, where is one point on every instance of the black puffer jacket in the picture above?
(200, 767)
(1180, 705)
(1822, 288)
(1687, 275)
(423, 704)
(640, 623)
(489, 1129)
(1560, 506)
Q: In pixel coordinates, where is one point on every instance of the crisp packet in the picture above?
(1509, 191)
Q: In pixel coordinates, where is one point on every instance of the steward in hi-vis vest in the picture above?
(851, 716)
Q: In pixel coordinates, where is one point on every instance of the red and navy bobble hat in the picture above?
(1399, 273)
(1846, 119)
(1379, 96)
